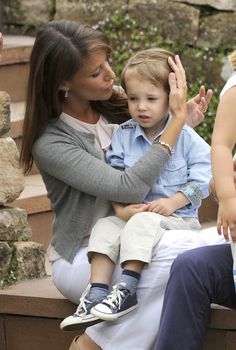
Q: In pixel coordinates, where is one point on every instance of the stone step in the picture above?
(30, 315)
(14, 65)
(31, 312)
(17, 118)
(37, 206)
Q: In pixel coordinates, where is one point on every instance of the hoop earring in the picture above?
(66, 93)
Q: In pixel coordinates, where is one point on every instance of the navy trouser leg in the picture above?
(198, 278)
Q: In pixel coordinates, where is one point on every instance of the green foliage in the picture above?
(11, 276)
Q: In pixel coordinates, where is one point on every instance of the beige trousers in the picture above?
(135, 239)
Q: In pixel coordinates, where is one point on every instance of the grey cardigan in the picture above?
(75, 174)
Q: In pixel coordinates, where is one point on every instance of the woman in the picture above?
(70, 107)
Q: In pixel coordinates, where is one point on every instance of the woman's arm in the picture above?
(64, 158)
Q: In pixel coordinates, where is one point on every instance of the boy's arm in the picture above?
(199, 172)
(167, 206)
(197, 155)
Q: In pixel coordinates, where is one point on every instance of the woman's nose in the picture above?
(110, 75)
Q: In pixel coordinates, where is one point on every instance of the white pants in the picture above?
(138, 329)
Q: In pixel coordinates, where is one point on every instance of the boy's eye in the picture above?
(132, 98)
(152, 98)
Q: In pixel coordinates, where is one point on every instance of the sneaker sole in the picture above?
(111, 317)
(75, 326)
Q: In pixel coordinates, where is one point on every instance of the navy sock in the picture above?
(98, 291)
(131, 279)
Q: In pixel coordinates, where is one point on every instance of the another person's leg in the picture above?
(233, 249)
(198, 278)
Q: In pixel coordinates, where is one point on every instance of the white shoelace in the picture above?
(116, 295)
(83, 302)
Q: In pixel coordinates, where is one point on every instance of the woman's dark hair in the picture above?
(60, 50)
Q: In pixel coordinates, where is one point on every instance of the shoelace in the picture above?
(115, 297)
(82, 307)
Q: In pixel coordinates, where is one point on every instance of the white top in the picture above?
(230, 83)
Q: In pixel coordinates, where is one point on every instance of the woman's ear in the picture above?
(64, 86)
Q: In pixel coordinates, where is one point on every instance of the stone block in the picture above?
(14, 225)
(225, 5)
(87, 11)
(4, 113)
(174, 21)
(11, 176)
(217, 31)
(29, 260)
(27, 12)
(5, 259)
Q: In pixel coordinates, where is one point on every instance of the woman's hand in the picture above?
(125, 212)
(197, 106)
(178, 89)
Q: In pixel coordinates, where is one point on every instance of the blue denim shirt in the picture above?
(188, 169)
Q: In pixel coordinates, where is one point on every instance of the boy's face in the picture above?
(148, 104)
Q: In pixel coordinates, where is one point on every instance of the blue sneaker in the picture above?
(82, 318)
(118, 303)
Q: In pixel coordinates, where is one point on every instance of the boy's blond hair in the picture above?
(232, 59)
(152, 65)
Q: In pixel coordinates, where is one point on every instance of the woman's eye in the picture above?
(96, 74)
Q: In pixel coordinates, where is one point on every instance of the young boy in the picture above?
(172, 203)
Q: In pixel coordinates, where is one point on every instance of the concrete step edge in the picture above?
(16, 49)
(34, 196)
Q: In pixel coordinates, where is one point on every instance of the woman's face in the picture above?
(94, 81)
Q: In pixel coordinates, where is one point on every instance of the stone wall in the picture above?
(203, 30)
(19, 257)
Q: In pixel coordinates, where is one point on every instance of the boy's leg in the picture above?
(101, 271)
(105, 237)
(198, 278)
(138, 238)
(103, 251)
